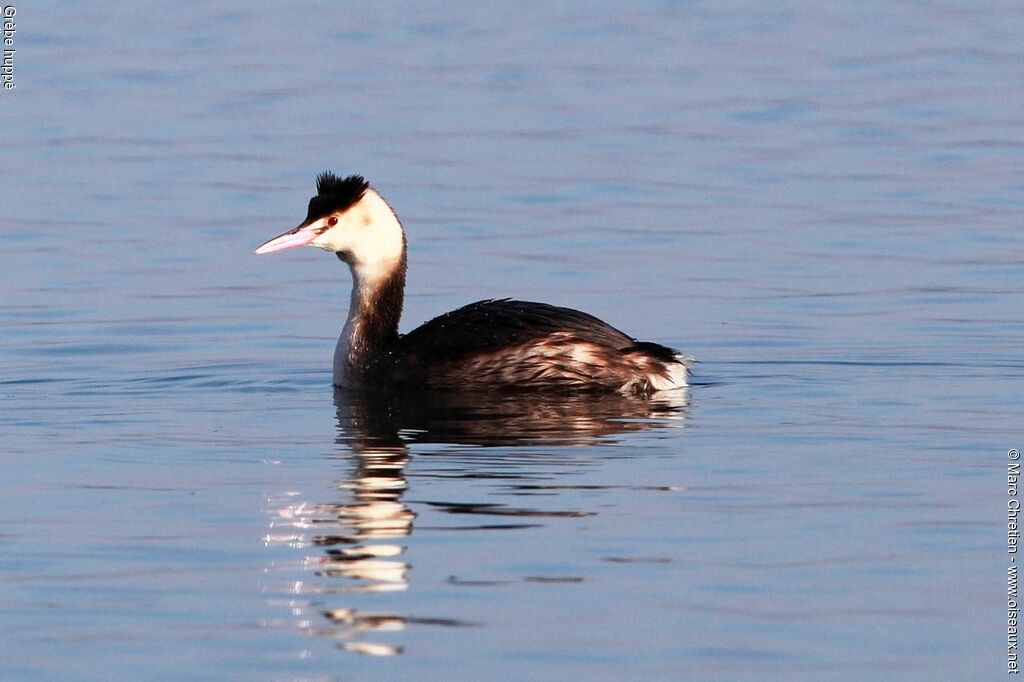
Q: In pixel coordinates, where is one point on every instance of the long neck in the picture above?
(371, 328)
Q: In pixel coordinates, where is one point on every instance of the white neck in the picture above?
(369, 238)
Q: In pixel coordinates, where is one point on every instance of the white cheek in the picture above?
(369, 232)
(335, 238)
(325, 243)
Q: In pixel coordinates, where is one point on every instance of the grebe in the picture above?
(491, 344)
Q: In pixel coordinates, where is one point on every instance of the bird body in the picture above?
(491, 344)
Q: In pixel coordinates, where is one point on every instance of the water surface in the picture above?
(820, 203)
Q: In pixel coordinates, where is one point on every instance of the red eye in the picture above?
(332, 221)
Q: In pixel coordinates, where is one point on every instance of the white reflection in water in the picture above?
(361, 535)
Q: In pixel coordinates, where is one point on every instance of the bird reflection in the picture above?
(362, 534)
(486, 419)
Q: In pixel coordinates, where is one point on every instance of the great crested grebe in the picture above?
(492, 344)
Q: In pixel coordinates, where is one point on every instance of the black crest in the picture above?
(334, 194)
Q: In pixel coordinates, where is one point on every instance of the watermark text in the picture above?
(1013, 521)
(7, 61)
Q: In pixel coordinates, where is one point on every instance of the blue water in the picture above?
(821, 203)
